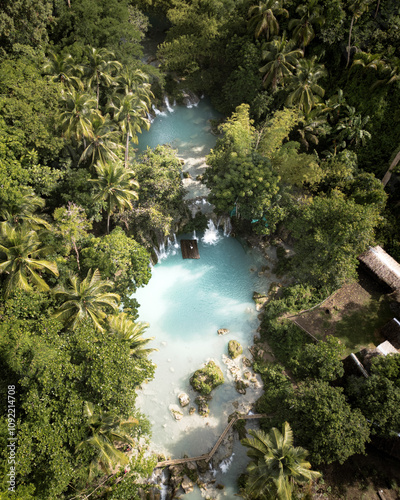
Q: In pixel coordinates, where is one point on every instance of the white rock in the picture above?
(183, 399)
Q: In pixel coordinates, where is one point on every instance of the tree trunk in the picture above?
(377, 8)
(127, 150)
(108, 222)
(348, 48)
(77, 253)
(388, 174)
(98, 89)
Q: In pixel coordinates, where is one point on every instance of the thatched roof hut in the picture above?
(382, 265)
(391, 332)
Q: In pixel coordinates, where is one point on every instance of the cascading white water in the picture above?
(194, 237)
(164, 486)
(211, 234)
(225, 464)
(157, 112)
(160, 252)
(227, 226)
(167, 105)
(170, 247)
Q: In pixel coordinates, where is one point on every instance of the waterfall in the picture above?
(150, 117)
(164, 486)
(161, 252)
(211, 234)
(194, 237)
(167, 105)
(168, 247)
(227, 226)
(225, 464)
(157, 111)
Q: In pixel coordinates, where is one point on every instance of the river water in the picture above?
(186, 302)
(187, 129)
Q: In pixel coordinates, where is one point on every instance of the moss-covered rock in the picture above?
(202, 403)
(234, 349)
(206, 379)
(241, 386)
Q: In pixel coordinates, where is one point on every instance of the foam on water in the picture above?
(211, 235)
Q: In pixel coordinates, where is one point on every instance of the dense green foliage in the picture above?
(54, 372)
(310, 90)
(326, 424)
(321, 361)
(69, 112)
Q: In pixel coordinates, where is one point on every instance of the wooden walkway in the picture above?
(190, 249)
(208, 456)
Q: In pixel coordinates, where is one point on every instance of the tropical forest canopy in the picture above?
(311, 93)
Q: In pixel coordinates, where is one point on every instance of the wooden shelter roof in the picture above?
(383, 266)
(190, 249)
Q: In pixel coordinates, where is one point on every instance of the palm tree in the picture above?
(20, 252)
(276, 464)
(23, 210)
(311, 125)
(303, 28)
(86, 299)
(78, 114)
(334, 106)
(358, 7)
(351, 128)
(100, 69)
(104, 429)
(306, 91)
(134, 82)
(102, 140)
(281, 57)
(63, 69)
(130, 113)
(390, 67)
(131, 332)
(114, 185)
(368, 61)
(262, 17)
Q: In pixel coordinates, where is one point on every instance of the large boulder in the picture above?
(234, 349)
(206, 379)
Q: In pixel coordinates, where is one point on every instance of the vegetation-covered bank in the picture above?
(311, 89)
(79, 214)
